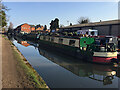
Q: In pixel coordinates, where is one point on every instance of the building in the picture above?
(32, 27)
(27, 28)
(39, 28)
(104, 27)
(24, 28)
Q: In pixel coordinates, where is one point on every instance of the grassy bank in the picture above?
(26, 70)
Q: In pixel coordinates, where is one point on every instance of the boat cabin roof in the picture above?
(88, 30)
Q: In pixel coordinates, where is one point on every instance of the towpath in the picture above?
(12, 75)
(0, 62)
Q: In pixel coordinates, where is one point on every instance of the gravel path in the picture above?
(12, 75)
(0, 62)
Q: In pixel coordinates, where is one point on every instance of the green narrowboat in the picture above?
(98, 50)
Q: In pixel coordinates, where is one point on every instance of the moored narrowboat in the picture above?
(119, 47)
(98, 50)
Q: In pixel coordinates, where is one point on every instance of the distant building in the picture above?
(24, 28)
(111, 27)
(32, 27)
(39, 28)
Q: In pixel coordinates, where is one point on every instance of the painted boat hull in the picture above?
(75, 52)
(105, 57)
(104, 60)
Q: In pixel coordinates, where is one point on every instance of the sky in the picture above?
(43, 12)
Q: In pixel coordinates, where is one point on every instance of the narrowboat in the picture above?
(19, 35)
(119, 47)
(89, 48)
(33, 35)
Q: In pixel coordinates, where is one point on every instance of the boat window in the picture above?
(72, 42)
(60, 40)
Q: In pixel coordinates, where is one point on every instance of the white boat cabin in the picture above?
(60, 40)
(89, 32)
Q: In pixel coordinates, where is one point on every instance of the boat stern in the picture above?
(105, 57)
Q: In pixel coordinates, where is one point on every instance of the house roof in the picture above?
(21, 25)
(93, 24)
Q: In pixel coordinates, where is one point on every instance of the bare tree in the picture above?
(11, 25)
(10, 29)
(68, 22)
(83, 20)
(3, 16)
(5, 8)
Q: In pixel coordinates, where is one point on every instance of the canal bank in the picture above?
(62, 71)
(16, 71)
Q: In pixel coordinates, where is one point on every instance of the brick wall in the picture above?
(26, 28)
(32, 28)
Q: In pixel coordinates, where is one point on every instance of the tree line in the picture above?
(54, 24)
(3, 16)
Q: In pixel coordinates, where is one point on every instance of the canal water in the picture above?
(61, 71)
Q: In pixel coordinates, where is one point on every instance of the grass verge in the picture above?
(32, 75)
(29, 71)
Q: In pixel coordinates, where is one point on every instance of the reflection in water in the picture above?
(106, 74)
(26, 43)
(100, 73)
